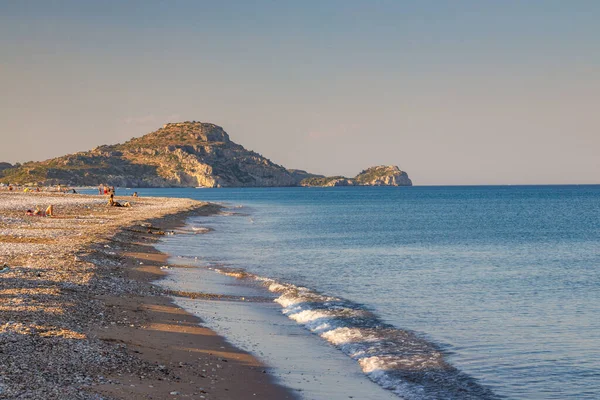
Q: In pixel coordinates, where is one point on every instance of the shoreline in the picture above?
(189, 369)
(92, 325)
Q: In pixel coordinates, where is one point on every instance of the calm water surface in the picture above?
(497, 288)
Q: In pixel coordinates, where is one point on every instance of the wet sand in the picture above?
(80, 319)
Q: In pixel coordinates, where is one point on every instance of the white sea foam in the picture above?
(341, 336)
(277, 287)
(396, 359)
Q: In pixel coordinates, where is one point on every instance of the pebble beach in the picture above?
(80, 318)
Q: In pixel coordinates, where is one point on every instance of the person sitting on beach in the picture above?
(39, 213)
(135, 194)
(113, 203)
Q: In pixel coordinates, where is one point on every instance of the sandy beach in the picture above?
(80, 319)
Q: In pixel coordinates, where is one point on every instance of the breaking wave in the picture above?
(398, 360)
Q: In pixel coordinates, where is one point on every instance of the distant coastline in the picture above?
(183, 154)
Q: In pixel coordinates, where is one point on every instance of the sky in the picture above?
(453, 92)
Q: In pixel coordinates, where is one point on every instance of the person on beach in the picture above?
(39, 213)
(135, 194)
(113, 203)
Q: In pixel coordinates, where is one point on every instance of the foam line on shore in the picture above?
(396, 359)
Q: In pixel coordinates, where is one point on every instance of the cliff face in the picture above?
(200, 154)
(181, 155)
(383, 175)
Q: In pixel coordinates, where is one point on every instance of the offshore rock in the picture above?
(383, 175)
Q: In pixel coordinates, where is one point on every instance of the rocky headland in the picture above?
(184, 154)
(383, 175)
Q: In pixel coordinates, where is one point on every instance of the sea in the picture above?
(456, 292)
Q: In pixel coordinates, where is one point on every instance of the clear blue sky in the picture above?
(454, 92)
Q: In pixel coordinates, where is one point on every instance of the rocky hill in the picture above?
(383, 175)
(186, 154)
(178, 154)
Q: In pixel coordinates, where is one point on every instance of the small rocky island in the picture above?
(184, 154)
(383, 175)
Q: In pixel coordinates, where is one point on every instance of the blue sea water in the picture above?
(437, 292)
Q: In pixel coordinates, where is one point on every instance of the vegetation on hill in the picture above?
(321, 180)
